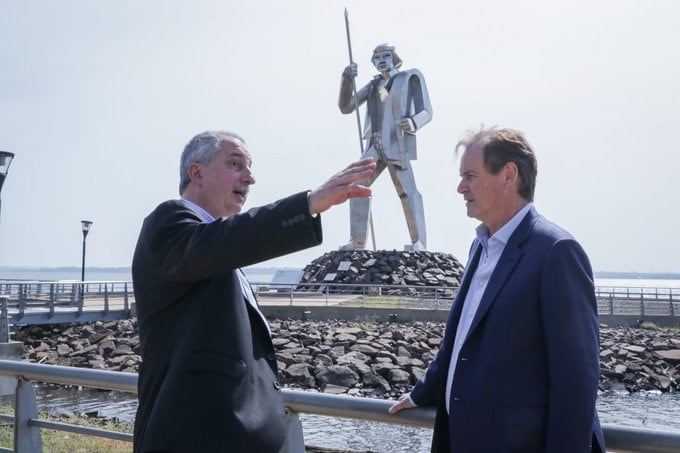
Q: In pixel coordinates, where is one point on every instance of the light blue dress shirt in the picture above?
(492, 248)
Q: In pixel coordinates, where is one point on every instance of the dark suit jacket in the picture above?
(527, 374)
(208, 379)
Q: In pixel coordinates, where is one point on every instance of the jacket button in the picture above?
(271, 357)
(277, 386)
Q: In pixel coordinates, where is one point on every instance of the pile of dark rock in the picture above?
(357, 358)
(112, 345)
(364, 358)
(394, 269)
(636, 359)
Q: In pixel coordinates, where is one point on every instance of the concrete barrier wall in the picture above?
(320, 313)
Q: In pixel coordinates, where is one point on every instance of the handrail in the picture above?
(66, 288)
(27, 424)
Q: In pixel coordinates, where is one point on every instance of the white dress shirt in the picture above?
(492, 248)
(246, 289)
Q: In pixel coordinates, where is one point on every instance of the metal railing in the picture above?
(39, 302)
(642, 301)
(27, 425)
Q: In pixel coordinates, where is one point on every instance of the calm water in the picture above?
(641, 410)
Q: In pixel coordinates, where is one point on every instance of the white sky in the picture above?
(97, 100)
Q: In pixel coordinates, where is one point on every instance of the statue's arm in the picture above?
(346, 98)
(420, 101)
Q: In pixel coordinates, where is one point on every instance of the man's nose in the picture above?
(248, 177)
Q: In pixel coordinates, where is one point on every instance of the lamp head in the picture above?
(5, 160)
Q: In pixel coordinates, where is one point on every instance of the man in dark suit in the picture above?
(208, 379)
(518, 368)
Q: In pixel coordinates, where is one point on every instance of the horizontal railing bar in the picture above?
(357, 408)
(58, 374)
(629, 439)
(77, 429)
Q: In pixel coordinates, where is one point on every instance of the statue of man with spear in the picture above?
(397, 105)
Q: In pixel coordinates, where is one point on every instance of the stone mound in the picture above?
(388, 269)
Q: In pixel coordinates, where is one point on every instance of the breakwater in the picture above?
(363, 358)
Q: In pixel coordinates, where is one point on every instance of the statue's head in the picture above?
(385, 58)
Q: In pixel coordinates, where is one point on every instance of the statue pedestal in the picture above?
(383, 270)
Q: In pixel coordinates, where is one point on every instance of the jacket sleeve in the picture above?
(569, 317)
(185, 249)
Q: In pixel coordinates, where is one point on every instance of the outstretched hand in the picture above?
(404, 402)
(342, 186)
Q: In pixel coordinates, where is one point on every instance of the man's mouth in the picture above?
(241, 194)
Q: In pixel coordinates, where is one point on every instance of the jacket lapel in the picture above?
(459, 300)
(505, 266)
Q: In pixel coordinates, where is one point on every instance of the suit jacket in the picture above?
(527, 374)
(208, 378)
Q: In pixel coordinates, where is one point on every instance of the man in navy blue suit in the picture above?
(518, 368)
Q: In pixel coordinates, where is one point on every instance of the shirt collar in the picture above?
(503, 234)
(202, 213)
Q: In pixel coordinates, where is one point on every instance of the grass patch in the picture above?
(64, 442)
(648, 326)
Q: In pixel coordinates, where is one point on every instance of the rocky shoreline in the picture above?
(363, 358)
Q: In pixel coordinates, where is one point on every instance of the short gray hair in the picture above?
(201, 149)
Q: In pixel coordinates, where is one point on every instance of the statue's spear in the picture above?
(356, 110)
(354, 84)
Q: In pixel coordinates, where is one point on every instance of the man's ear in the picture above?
(510, 172)
(194, 171)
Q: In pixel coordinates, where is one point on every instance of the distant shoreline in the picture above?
(272, 270)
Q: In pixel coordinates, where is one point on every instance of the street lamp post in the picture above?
(86, 229)
(5, 160)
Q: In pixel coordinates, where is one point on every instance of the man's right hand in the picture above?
(342, 186)
(404, 402)
(350, 71)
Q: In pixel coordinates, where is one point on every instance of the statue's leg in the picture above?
(359, 208)
(412, 203)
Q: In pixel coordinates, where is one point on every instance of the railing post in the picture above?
(295, 438)
(642, 304)
(26, 437)
(53, 299)
(670, 301)
(106, 298)
(126, 302)
(22, 299)
(4, 320)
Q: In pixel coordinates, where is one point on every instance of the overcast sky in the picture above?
(97, 100)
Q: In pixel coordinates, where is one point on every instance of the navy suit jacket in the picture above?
(527, 375)
(208, 379)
